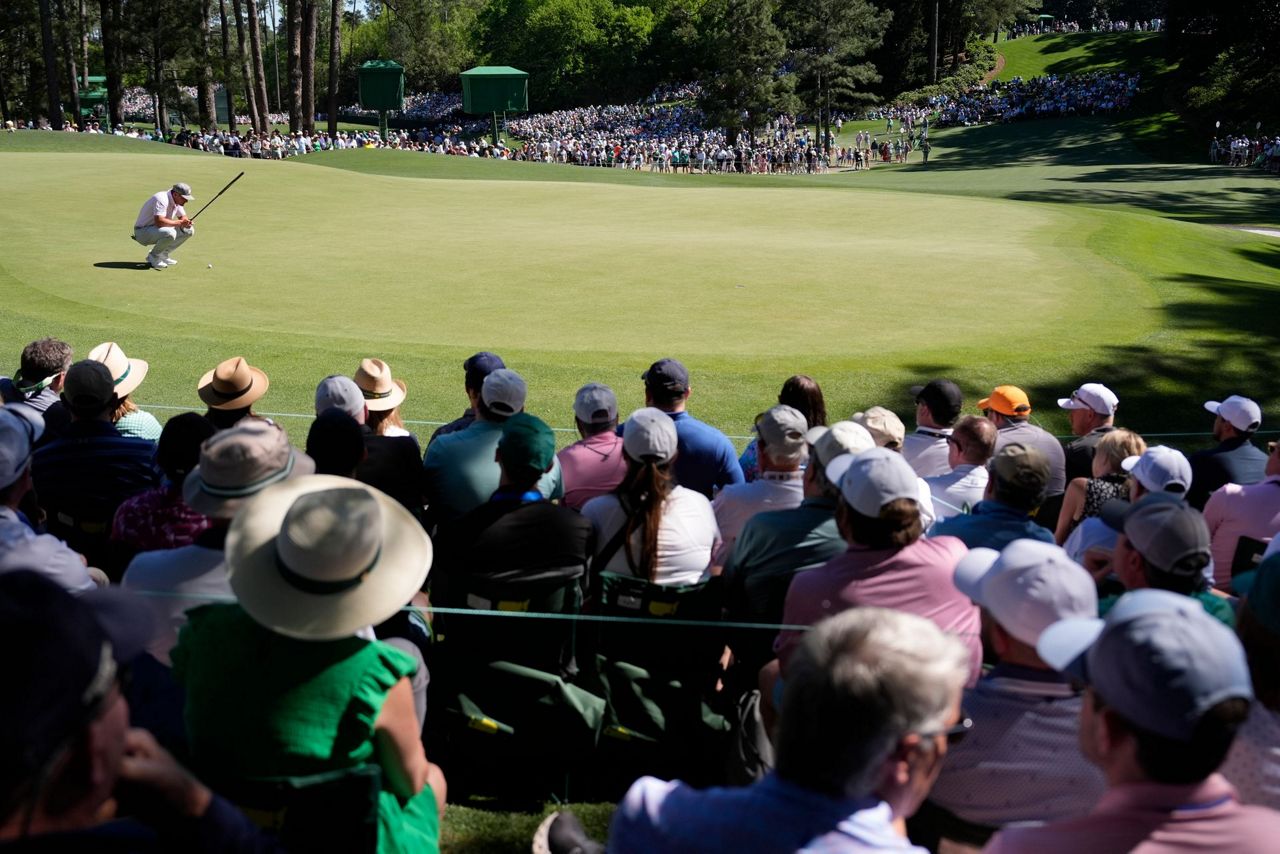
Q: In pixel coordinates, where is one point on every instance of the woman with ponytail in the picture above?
(649, 526)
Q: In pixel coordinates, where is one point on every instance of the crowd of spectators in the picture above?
(1038, 97)
(1261, 152)
(1115, 691)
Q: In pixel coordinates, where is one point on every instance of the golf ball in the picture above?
(210, 266)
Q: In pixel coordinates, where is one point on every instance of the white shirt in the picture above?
(738, 502)
(958, 490)
(687, 537)
(926, 451)
(161, 204)
(187, 577)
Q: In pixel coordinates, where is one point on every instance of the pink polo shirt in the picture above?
(917, 579)
(591, 467)
(1236, 511)
(1153, 818)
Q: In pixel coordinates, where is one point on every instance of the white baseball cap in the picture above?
(1240, 412)
(1160, 469)
(650, 433)
(843, 437)
(1027, 587)
(870, 480)
(504, 391)
(1095, 396)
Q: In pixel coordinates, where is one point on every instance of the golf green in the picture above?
(845, 277)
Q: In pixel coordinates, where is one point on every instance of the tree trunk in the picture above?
(49, 49)
(225, 72)
(112, 58)
(83, 34)
(246, 71)
(309, 15)
(293, 35)
(335, 57)
(207, 110)
(67, 31)
(259, 73)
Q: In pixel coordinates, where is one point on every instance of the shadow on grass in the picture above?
(1231, 205)
(1225, 343)
(122, 265)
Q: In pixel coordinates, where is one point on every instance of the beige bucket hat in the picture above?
(234, 384)
(320, 557)
(240, 462)
(126, 373)
(380, 391)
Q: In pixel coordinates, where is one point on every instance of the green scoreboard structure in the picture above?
(495, 89)
(382, 89)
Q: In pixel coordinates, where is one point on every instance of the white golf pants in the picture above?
(164, 239)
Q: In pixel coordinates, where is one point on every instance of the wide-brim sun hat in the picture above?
(321, 557)
(126, 373)
(234, 384)
(381, 392)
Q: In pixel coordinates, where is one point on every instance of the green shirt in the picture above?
(461, 473)
(1215, 606)
(260, 704)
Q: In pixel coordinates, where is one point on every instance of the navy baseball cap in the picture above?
(1158, 659)
(666, 375)
(480, 366)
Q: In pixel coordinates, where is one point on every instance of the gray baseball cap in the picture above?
(20, 428)
(843, 437)
(1158, 659)
(872, 479)
(339, 392)
(1027, 587)
(595, 404)
(782, 427)
(1164, 529)
(504, 391)
(650, 434)
(183, 190)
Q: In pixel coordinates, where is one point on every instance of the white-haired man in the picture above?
(162, 223)
(837, 787)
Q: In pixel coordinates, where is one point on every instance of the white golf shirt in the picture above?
(161, 204)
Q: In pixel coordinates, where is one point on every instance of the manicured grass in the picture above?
(468, 830)
(1077, 53)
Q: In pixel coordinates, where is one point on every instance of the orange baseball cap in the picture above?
(1007, 400)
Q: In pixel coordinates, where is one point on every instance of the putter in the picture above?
(215, 198)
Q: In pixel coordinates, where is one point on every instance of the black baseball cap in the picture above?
(668, 376)
(480, 366)
(61, 657)
(943, 397)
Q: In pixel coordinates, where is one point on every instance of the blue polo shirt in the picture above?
(991, 525)
(706, 459)
(1234, 461)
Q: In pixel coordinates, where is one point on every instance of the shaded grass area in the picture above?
(486, 830)
(1077, 53)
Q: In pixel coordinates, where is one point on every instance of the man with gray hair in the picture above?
(162, 222)
(782, 451)
(774, 546)
(871, 703)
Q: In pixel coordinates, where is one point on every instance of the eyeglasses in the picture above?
(954, 734)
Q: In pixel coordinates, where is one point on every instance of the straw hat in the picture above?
(240, 462)
(380, 391)
(234, 384)
(126, 373)
(320, 557)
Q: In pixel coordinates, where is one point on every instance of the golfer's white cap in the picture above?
(183, 190)
(1240, 412)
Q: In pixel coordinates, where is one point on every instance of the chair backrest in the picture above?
(678, 649)
(332, 811)
(542, 644)
(1248, 555)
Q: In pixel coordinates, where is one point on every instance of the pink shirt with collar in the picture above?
(1153, 818)
(917, 579)
(1236, 511)
(591, 467)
